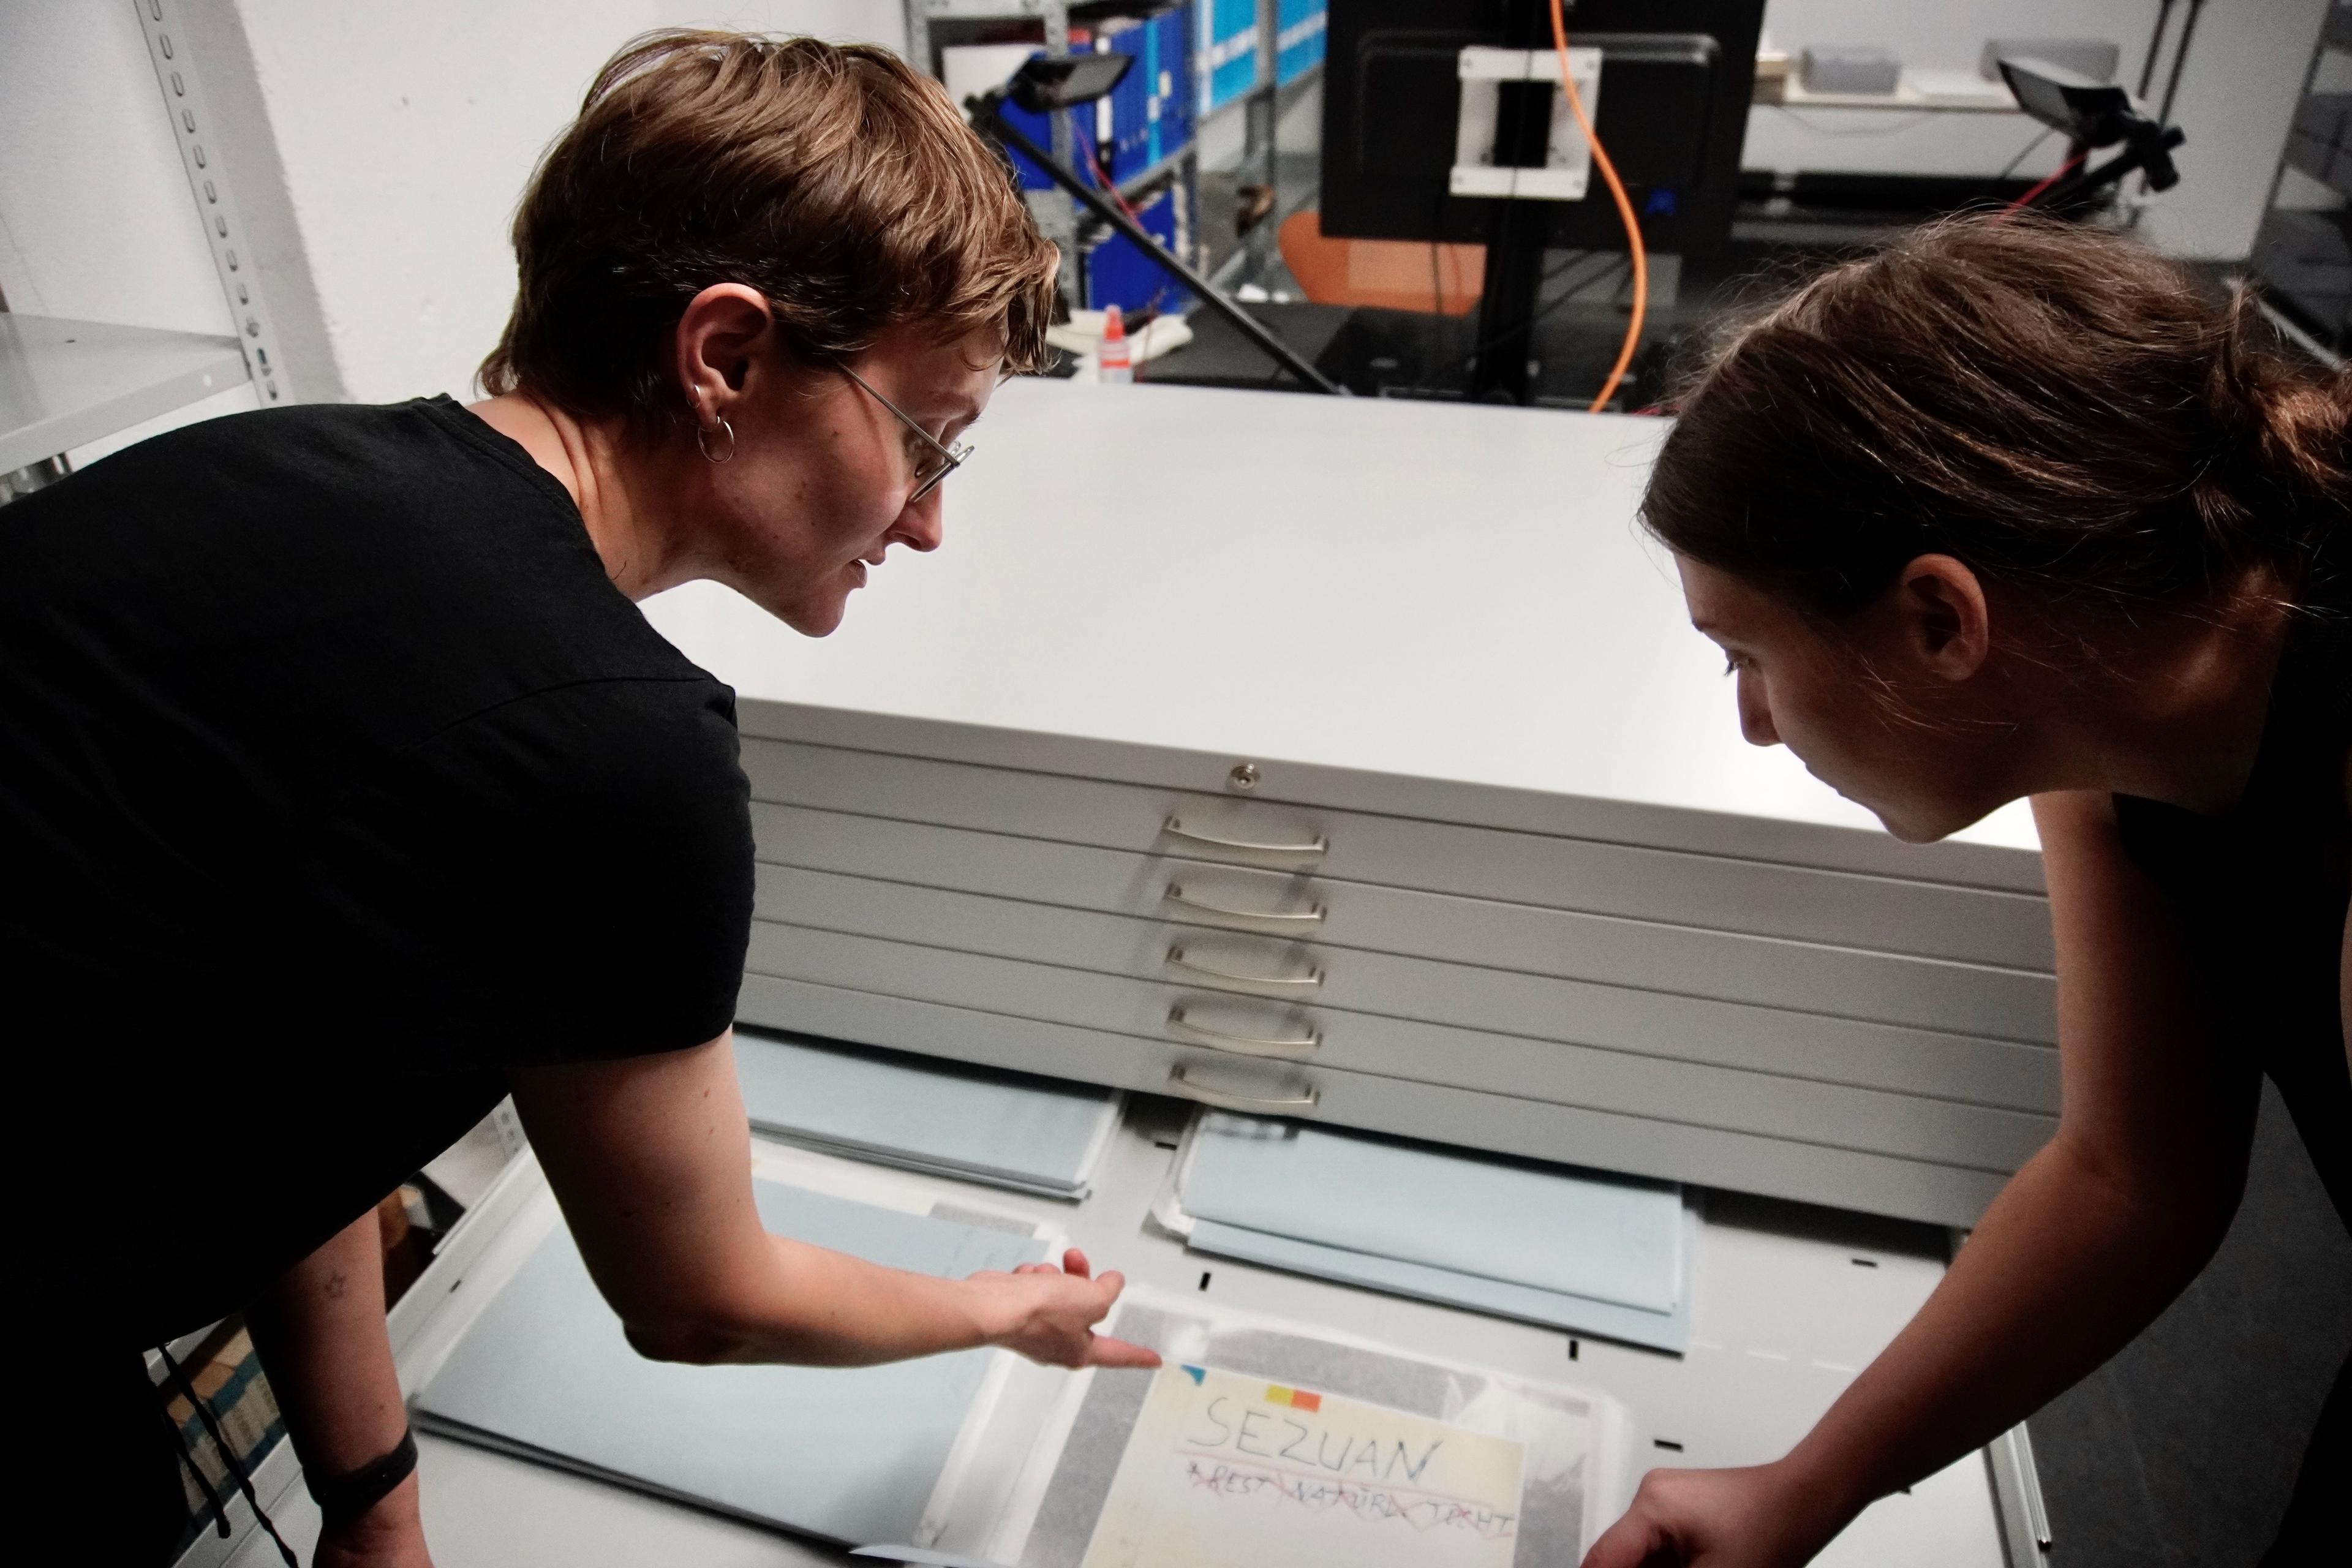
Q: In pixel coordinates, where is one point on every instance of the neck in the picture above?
(2186, 724)
(609, 482)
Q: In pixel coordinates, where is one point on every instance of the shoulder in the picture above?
(397, 443)
(314, 487)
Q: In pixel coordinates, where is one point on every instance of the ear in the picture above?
(724, 332)
(1941, 619)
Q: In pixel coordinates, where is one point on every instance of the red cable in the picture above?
(2065, 168)
(1102, 178)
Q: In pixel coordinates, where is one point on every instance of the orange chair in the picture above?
(1396, 274)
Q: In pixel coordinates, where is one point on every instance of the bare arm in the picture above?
(320, 1330)
(651, 1160)
(2084, 1247)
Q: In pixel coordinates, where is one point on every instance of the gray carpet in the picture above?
(2181, 1451)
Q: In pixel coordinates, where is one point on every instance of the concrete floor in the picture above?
(2181, 1453)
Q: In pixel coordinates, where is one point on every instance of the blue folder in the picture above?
(1600, 1255)
(1030, 1134)
(844, 1453)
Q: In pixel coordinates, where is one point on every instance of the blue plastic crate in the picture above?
(1300, 27)
(1147, 119)
(1225, 50)
(1117, 272)
(1038, 129)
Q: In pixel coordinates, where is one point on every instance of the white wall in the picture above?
(96, 219)
(2245, 68)
(406, 134)
(376, 150)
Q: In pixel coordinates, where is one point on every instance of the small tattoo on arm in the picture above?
(339, 1285)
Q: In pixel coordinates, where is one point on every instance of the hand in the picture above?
(1048, 1314)
(389, 1535)
(1759, 1517)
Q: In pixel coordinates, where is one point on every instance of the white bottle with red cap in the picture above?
(1112, 360)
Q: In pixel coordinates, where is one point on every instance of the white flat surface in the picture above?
(1431, 590)
(1956, 90)
(1783, 1316)
(63, 383)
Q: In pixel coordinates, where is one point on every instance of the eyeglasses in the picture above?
(929, 467)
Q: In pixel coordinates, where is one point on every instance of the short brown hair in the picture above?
(2058, 408)
(831, 177)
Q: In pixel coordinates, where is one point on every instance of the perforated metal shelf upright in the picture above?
(65, 384)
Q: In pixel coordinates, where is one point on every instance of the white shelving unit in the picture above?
(66, 384)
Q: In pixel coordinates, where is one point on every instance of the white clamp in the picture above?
(1567, 156)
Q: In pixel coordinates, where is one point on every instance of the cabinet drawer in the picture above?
(1745, 1162)
(1698, 1094)
(1974, 999)
(1761, 898)
(1798, 1045)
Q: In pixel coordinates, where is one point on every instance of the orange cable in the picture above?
(1625, 211)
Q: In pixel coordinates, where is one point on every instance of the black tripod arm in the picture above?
(986, 113)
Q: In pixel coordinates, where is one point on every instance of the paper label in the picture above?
(1228, 1471)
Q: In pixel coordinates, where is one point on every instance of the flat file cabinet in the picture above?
(1116, 793)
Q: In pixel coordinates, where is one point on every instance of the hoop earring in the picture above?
(702, 440)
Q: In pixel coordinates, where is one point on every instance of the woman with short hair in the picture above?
(346, 791)
(2014, 510)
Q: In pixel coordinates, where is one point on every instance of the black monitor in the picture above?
(1673, 111)
(1677, 78)
(1410, 148)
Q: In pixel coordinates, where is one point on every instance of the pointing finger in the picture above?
(1105, 1351)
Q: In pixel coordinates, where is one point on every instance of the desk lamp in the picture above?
(2092, 114)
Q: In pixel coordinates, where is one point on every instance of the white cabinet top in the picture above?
(1431, 590)
(66, 384)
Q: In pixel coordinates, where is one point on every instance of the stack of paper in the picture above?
(1031, 1134)
(1602, 1255)
(848, 1455)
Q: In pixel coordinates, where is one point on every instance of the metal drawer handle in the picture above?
(1306, 982)
(1175, 828)
(1311, 917)
(1287, 1046)
(1223, 1099)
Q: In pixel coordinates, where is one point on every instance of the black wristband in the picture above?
(342, 1498)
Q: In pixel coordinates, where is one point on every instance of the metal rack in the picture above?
(1264, 107)
(65, 384)
(2302, 253)
(933, 25)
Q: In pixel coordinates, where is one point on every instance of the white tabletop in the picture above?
(1964, 90)
(1434, 590)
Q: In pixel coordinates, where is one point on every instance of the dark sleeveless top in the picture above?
(2264, 890)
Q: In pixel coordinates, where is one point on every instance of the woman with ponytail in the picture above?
(2014, 509)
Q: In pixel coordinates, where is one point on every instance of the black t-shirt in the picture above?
(2262, 891)
(335, 777)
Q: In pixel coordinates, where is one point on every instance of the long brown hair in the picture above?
(2063, 411)
(833, 178)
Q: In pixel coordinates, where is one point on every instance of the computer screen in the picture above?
(1676, 77)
